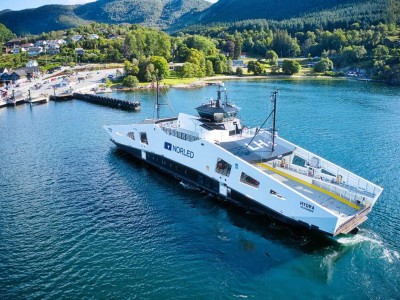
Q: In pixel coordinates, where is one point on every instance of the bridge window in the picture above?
(298, 161)
(223, 167)
(249, 180)
(131, 135)
(143, 138)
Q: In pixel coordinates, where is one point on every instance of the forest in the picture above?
(371, 48)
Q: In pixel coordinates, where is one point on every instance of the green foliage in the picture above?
(285, 45)
(290, 67)
(160, 65)
(272, 57)
(239, 71)
(190, 70)
(130, 81)
(5, 34)
(324, 65)
(201, 43)
(209, 68)
(152, 13)
(259, 68)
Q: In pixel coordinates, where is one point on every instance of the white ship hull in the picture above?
(274, 184)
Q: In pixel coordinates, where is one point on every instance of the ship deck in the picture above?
(318, 195)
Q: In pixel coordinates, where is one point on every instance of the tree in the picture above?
(259, 68)
(209, 68)
(251, 66)
(324, 65)
(160, 65)
(130, 68)
(201, 43)
(5, 34)
(284, 44)
(290, 67)
(272, 57)
(239, 71)
(381, 52)
(130, 81)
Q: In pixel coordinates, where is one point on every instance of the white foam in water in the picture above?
(387, 255)
(373, 239)
(328, 264)
(359, 238)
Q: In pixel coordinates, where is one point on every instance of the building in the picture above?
(13, 76)
(34, 51)
(15, 42)
(93, 36)
(79, 51)
(175, 66)
(237, 63)
(75, 38)
(32, 69)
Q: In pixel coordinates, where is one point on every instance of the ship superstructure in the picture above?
(251, 167)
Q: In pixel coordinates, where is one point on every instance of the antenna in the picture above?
(273, 96)
(158, 96)
(273, 114)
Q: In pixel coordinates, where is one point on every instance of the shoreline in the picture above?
(209, 81)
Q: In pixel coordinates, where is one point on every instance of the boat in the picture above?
(253, 168)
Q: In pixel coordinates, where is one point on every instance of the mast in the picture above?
(274, 95)
(158, 99)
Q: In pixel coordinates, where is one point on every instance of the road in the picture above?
(77, 80)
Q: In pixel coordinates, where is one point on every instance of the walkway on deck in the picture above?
(323, 197)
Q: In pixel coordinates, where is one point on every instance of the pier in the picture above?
(107, 101)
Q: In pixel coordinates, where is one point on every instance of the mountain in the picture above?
(42, 19)
(316, 11)
(153, 13)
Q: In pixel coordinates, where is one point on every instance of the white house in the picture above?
(33, 51)
(93, 36)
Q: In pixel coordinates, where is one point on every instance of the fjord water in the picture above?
(81, 219)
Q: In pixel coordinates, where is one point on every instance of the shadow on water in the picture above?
(296, 238)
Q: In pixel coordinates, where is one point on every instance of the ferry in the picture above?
(251, 167)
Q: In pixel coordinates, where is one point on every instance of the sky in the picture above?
(23, 4)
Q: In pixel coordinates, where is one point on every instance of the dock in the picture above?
(107, 101)
(61, 97)
(43, 98)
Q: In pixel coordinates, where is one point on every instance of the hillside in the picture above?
(42, 19)
(313, 13)
(153, 13)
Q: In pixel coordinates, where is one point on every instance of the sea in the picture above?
(80, 219)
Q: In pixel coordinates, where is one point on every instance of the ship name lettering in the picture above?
(183, 151)
(306, 206)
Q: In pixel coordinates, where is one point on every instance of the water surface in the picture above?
(81, 219)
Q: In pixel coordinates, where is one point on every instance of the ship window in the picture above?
(298, 161)
(326, 172)
(131, 135)
(143, 138)
(249, 180)
(272, 192)
(223, 167)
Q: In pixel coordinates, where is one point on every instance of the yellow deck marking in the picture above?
(333, 195)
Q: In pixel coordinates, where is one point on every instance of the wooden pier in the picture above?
(106, 101)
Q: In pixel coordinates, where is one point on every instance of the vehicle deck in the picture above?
(315, 193)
